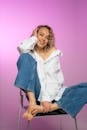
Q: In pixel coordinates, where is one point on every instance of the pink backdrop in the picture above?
(68, 19)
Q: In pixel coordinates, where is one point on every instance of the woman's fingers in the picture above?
(35, 32)
(34, 112)
(45, 110)
(46, 106)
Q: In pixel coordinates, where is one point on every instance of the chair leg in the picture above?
(28, 125)
(76, 128)
(60, 123)
(75, 120)
(19, 117)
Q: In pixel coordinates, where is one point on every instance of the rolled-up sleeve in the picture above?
(27, 45)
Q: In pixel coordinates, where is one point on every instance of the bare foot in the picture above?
(37, 109)
(29, 116)
(32, 111)
(25, 114)
(54, 107)
(28, 112)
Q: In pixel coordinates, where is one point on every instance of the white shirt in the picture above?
(49, 71)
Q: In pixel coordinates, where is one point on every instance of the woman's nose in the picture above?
(43, 38)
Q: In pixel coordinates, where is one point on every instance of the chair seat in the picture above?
(56, 112)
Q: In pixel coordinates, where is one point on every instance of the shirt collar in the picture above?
(55, 53)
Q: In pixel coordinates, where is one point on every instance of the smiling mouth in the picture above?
(42, 43)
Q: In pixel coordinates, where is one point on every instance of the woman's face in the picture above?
(43, 37)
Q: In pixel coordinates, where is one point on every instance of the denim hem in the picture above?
(73, 99)
(24, 88)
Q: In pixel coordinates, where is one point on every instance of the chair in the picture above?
(56, 113)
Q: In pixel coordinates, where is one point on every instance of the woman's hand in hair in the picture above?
(34, 32)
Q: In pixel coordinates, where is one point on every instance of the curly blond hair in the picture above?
(51, 40)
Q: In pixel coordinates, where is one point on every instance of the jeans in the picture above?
(27, 77)
(73, 98)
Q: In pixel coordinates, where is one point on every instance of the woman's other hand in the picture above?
(46, 105)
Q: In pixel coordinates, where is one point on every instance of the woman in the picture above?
(41, 78)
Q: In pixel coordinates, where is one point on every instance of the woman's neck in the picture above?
(41, 50)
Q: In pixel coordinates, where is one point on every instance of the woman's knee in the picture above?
(27, 56)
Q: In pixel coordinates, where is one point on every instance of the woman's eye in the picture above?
(47, 38)
(41, 34)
